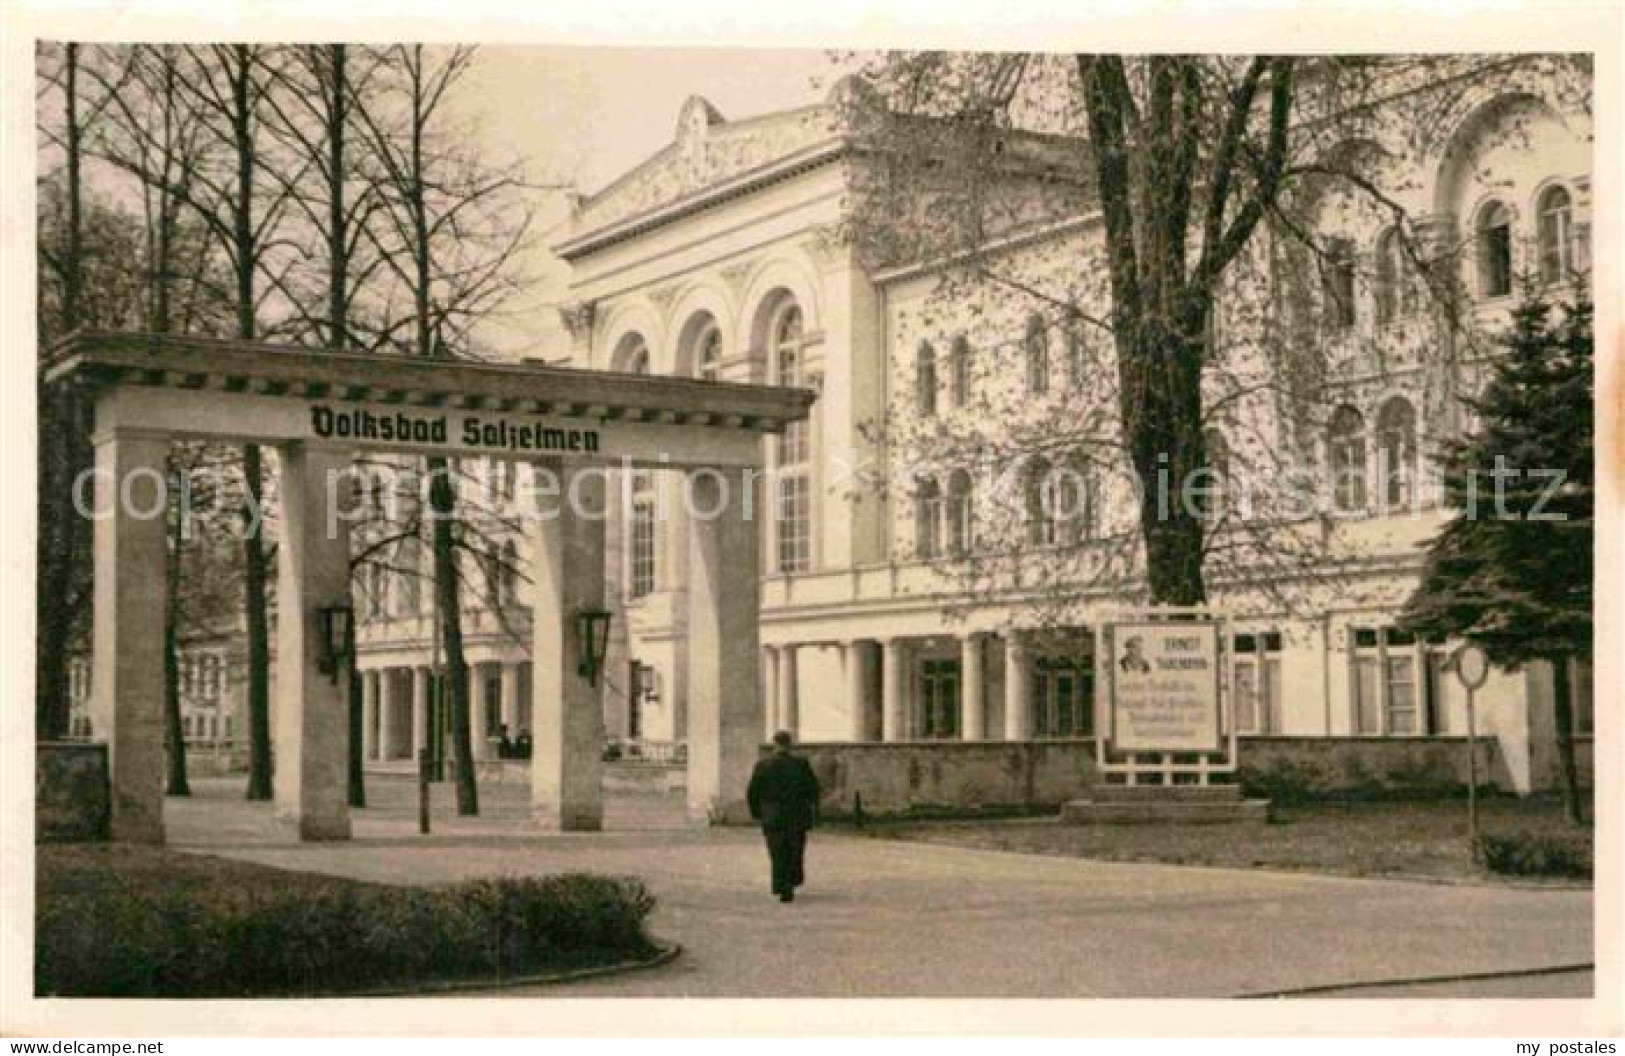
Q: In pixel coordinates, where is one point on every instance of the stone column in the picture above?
(127, 681)
(972, 707)
(387, 748)
(789, 715)
(479, 714)
(724, 658)
(510, 699)
(567, 713)
(310, 724)
(369, 715)
(1018, 713)
(421, 680)
(770, 690)
(857, 690)
(894, 712)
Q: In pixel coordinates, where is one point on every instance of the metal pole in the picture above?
(423, 790)
(1472, 779)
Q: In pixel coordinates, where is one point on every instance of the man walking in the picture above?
(783, 797)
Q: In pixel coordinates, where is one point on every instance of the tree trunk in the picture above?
(174, 733)
(358, 719)
(63, 428)
(1161, 375)
(1563, 715)
(260, 767)
(62, 451)
(448, 592)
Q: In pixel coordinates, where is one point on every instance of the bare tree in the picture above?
(452, 241)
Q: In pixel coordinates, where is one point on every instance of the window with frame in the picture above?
(1077, 356)
(1337, 284)
(407, 597)
(1345, 450)
(793, 522)
(1042, 528)
(1391, 290)
(1555, 233)
(939, 700)
(500, 473)
(640, 528)
(641, 554)
(1255, 679)
(925, 380)
(1387, 697)
(1036, 345)
(1063, 697)
(1396, 453)
(1493, 235)
(961, 364)
(927, 519)
(961, 513)
(795, 543)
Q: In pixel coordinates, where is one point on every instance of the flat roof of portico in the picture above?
(100, 361)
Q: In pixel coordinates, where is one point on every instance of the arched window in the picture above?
(961, 371)
(786, 348)
(636, 357)
(708, 353)
(927, 519)
(1345, 449)
(1555, 227)
(1396, 452)
(1213, 490)
(1493, 233)
(925, 380)
(961, 511)
(1392, 291)
(1037, 350)
(1337, 284)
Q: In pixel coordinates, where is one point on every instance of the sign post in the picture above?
(1164, 679)
(1472, 668)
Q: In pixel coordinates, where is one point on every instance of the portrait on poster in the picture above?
(1165, 687)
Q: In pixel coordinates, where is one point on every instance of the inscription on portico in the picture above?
(510, 435)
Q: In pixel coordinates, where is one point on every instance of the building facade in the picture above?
(729, 254)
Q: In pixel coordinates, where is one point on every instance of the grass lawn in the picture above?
(1354, 839)
(119, 920)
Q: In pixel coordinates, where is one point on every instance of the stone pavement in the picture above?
(892, 919)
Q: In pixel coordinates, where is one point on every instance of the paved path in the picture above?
(891, 919)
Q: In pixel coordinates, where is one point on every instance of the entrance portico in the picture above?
(316, 410)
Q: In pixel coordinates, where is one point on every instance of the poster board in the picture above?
(1164, 681)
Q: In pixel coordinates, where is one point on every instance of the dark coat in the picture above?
(783, 793)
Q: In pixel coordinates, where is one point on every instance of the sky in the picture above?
(593, 113)
(584, 116)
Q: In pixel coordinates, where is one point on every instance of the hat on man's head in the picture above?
(783, 739)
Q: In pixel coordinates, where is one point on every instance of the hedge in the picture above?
(1559, 851)
(113, 922)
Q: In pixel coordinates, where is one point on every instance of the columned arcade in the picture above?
(316, 410)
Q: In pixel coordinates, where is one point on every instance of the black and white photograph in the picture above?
(520, 518)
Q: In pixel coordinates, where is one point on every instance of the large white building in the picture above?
(728, 254)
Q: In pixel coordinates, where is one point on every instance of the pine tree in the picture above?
(1512, 571)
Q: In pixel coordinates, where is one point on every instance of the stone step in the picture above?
(1090, 812)
(1104, 793)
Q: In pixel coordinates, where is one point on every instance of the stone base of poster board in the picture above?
(1164, 804)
